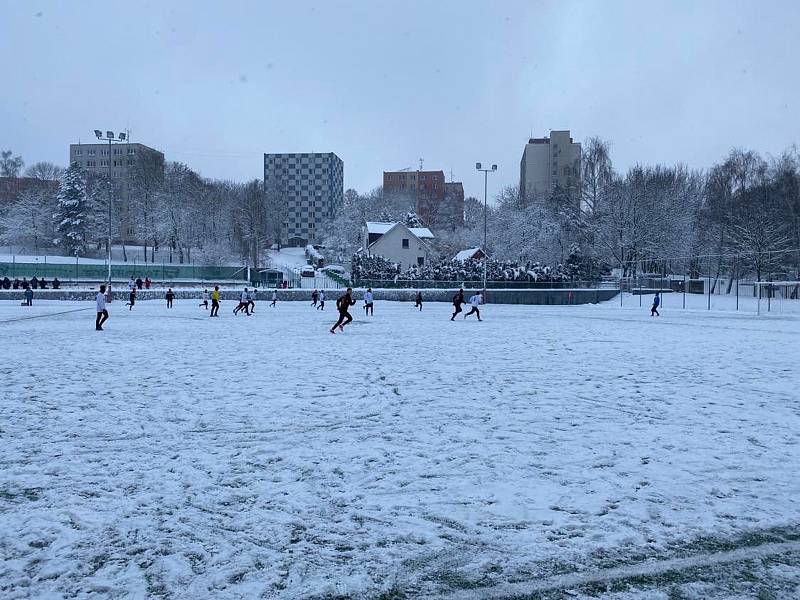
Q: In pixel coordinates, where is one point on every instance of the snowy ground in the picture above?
(548, 452)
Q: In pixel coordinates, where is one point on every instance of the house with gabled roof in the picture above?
(406, 246)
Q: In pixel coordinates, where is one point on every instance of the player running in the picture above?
(204, 303)
(418, 301)
(476, 300)
(274, 299)
(314, 297)
(131, 299)
(242, 306)
(458, 300)
(102, 312)
(343, 305)
(321, 305)
(251, 300)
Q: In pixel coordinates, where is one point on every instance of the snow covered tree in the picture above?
(71, 216)
(410, 219)
(28, 222)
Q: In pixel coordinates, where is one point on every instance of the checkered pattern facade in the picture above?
(312, 186)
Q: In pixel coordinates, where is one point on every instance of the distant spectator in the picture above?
(147, 282)
(28, 297)
(34, 282)
(25, 285)
(56, 283)
(131, 284)
(15, 285)
(139, 283)
(42, 284)
(6, 283)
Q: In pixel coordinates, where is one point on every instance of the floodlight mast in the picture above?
(478, 167)
(110, 138)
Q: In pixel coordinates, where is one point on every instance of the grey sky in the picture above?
(217, 84)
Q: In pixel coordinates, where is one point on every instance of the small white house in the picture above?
(398, 243)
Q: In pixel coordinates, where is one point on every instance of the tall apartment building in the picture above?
(119, 160)
(438, 203)
(311, 185)
(550, 163)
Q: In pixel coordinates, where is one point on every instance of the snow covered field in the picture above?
(586, 450)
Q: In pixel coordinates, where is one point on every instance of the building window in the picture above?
(117, 151)
(104, 152)
(405, 242)
(90, 152)
(131, 150)
(103, 163)
(421, 261)
(78, 152)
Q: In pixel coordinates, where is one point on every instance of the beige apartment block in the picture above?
(549, 164)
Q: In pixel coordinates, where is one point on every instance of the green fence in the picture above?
(99, 272)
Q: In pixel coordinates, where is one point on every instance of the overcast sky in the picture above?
(382, 84)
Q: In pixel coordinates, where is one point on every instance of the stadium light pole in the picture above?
(110, 137)
(478, 167)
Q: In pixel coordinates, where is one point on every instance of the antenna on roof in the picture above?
(421, 162)
(451, 175)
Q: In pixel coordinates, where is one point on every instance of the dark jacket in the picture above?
(458, 299)
(345, 302)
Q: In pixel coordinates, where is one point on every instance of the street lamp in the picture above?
(485, 196)
(110, 137)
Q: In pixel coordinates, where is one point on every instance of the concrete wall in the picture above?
(545, 297)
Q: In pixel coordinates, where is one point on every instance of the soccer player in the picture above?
(131, 299)
(274, 299)
(418, 300)
(368, 303)
(204, 303)
(654, 308)
(343, 305)
(475, 300)
(242, 304)
(251, 300)
(314, 298)
(102, 312)
(458, 300)
(321, 305)
(170, 297)
(215, 302)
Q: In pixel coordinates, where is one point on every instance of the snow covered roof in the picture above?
(422, 232)
(379, 227)
(466, 254)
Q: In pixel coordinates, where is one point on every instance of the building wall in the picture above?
(312, 187)
(438, 204)
(95, 158)
(390, 246)
(548, 163)
(11, 188)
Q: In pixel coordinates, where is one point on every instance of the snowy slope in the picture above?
(177, 456)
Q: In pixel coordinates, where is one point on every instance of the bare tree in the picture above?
(46, 171)
(10, 165)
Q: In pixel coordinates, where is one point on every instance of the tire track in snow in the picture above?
(645, 569)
